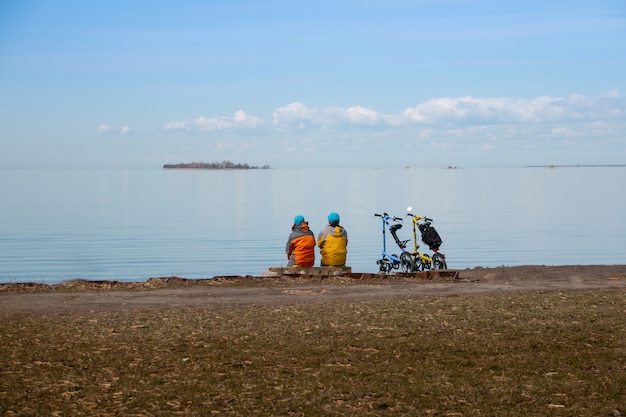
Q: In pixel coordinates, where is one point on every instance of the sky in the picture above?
(393, 83)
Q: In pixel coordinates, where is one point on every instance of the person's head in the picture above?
(298, 220)
(333, 219)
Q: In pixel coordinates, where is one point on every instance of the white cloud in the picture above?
(177, 126)
(104, 129)
(299, 116)
(489, 110)
(239, 121)
(458, 111)
(295, 115)
(460, 123)
(358, 116)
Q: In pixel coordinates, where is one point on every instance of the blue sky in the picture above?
(322, 84)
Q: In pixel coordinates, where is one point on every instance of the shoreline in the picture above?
(301, 273)
(221, 292)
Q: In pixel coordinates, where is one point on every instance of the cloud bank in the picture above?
(460, 112)
(468, 129)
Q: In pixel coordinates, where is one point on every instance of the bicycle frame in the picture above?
(388, 260)
(421, 260)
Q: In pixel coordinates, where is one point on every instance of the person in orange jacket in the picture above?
(333, 242)
(301, 244)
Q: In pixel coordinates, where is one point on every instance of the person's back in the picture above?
(301, 244)
(333, 242)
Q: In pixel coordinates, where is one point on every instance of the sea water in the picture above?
(134, 224)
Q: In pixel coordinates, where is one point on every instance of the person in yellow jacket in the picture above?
(301, 244)
(333, 242)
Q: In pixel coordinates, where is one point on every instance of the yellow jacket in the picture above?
(333, 244)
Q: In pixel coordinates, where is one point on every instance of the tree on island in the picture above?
(213, 165)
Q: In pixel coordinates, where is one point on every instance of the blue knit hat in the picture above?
(298, 219)
(333, 218)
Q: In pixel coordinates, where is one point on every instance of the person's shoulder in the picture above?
(295, 232)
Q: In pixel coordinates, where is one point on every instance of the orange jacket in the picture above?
(301, 246)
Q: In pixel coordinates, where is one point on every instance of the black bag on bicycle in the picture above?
(430, 236)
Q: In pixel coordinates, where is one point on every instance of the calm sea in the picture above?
(131, 225)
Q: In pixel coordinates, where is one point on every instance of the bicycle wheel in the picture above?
(381, 265)
(406, 262)
(439, 262)
(384, 265)
(418, 264)
(426, 262)
(395, 263)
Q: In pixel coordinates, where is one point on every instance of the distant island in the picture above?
(213, 165)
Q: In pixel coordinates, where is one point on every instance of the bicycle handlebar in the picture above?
(394, 218)
(426, 219)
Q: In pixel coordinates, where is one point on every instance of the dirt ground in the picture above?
(174, 293)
